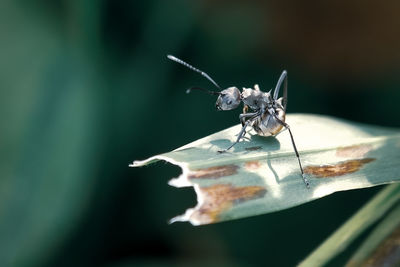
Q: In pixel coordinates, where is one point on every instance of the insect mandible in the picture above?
(267, 111)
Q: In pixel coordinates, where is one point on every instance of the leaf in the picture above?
(261, 174)
(381, 247)
(349, 231)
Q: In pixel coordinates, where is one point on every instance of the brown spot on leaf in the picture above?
(253, 148)
(338, 169)
(214, 172)
(356, 151)
(252, 165)
(221, 197)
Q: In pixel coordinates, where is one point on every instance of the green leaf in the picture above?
(261, 174)
(381, 247)
(356, 225)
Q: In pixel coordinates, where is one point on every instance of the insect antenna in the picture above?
(202, 89)
(193, 68)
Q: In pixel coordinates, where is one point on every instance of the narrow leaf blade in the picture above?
(261, 174)
(381, 247)
(350, 230)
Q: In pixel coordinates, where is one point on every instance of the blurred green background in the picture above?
(86, 89)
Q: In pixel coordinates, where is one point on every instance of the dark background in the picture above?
(86, 89)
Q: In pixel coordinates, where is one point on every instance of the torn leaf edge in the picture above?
(181, 181)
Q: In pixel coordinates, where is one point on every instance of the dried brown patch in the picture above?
(356, 151)
(253, 148)
(339, 169)
(214, 172)
(221, 197)
(252, 165)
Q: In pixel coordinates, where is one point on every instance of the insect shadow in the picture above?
(265, 144)
(252, 143)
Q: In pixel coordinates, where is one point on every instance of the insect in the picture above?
(267, 111)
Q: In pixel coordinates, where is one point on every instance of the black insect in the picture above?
(267, 111)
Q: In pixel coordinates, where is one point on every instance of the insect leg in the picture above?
(295, 149)
(245, 109)
(283, 79)
(243, 116)
(243, 130)
(240, 135)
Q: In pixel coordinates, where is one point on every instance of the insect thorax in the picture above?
(256, 99)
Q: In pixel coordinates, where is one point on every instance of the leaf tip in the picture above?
(136, 163)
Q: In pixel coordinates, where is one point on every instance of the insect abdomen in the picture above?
(267, 125)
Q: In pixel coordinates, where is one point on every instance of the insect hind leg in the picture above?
(305, 180)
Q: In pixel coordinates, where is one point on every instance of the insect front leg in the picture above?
(305, 180)
(244, 116)
(245, 123)
(245, 109)
(240, 135)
